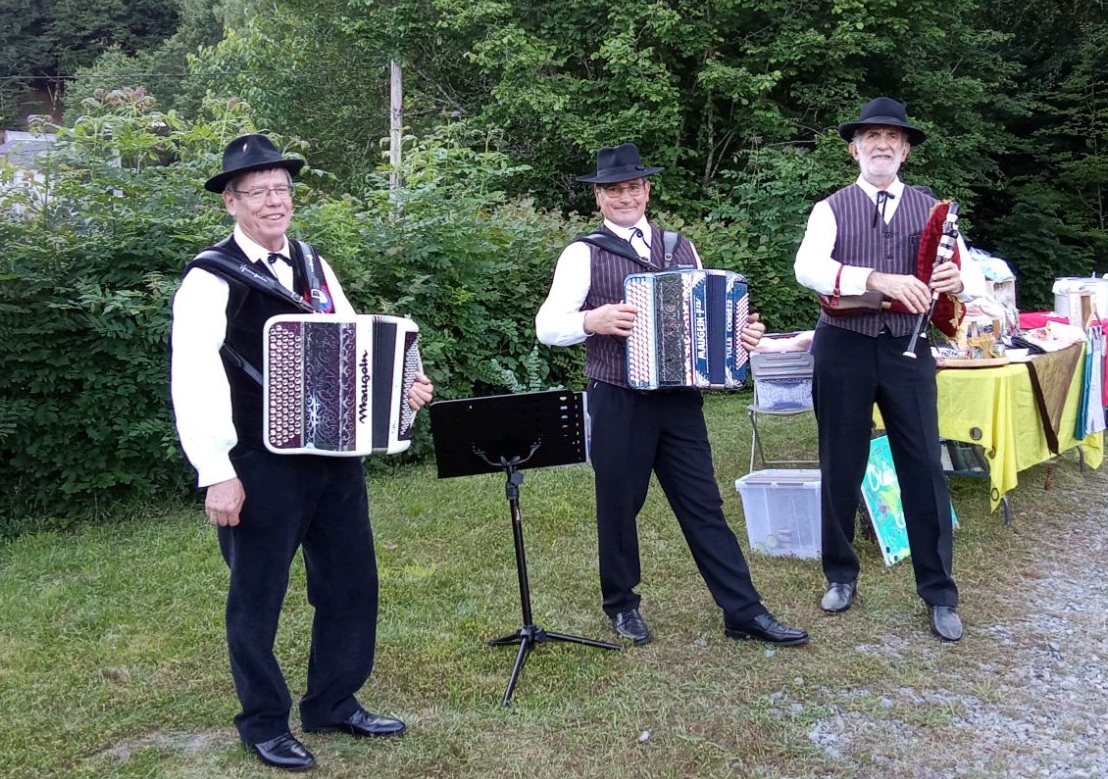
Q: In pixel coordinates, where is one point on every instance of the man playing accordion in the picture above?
(636, 432)
(865, 238)
(267, 505)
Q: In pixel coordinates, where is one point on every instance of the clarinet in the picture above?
(944, 252)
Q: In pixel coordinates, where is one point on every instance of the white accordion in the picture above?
(688, 329)
(338, 385)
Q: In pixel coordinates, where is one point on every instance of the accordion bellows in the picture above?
(688, 330)
(338, 386)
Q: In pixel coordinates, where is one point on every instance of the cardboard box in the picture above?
(782, 508)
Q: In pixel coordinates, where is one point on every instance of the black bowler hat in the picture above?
(883, 110)
(618, 163)
(247, 153)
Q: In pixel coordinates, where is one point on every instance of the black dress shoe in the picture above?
(285, 752)
(361, 723)
(945, 623)
(839, 596)
(630, 624)
(765, 628)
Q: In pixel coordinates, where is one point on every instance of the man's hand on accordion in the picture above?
(421, 392)
(611, 319)
(753, 331)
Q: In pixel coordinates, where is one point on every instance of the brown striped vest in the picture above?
(887, 248)
(606, 355)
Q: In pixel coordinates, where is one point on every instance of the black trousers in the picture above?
(318, 504)
(852, 373)
(634, 434)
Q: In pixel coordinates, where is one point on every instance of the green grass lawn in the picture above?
(112, 660)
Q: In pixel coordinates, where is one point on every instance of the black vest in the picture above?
(887, 248)
(248, 310)
(606, 355)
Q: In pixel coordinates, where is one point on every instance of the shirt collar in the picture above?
(896, 189)
(254, 251)
(626, 233)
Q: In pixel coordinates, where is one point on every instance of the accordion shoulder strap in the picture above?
(232, 356)
(312, 268)
(669, 243)
(618, 246)
(225, 264)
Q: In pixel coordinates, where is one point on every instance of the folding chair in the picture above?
(782, 388)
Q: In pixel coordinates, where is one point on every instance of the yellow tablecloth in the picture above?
(995, 408)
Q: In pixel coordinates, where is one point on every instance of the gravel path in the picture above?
(1041, 703)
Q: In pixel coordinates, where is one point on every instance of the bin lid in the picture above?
(785, 476)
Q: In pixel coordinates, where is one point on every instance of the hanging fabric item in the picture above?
(1095, 422)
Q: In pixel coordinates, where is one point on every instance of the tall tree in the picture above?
(1049, 217)
(48, 40)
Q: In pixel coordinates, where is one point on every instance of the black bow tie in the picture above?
(274, 256)
(883, 198)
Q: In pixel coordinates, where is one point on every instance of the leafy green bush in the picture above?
(96, 246)
(467, 264)
(757, 220)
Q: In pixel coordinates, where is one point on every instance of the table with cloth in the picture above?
(1021, 414)
(1032, 319)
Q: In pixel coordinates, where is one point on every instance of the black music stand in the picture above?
(507, 433)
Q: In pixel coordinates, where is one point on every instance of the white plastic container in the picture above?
(782, 509)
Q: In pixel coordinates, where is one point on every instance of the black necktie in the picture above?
(637, 233)
(274, 256)
(883, 197)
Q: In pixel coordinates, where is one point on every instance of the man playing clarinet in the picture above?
(864, 238)
(635, 433)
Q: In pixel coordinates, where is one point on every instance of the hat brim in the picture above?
(916, 136)
(616, 175)
(219, 182)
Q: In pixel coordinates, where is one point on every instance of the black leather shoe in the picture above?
(361, 724)
(630, 624)
(839, 596)
(945, 623)
(285, 752)
(765, 628)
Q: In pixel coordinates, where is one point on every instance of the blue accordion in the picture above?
(688, 330)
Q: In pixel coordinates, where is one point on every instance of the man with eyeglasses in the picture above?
(266, 506)
(636, 433)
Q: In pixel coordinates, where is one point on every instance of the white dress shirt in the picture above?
(816, 269)
(560, 321)
(198, 384)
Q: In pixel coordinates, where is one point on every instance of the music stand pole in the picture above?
(507, 433)
(529, 633)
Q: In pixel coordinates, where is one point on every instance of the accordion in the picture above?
(338, 386)
(688, 330)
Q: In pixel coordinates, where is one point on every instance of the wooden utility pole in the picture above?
(396, 122)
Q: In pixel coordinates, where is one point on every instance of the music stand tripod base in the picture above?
(506, 433)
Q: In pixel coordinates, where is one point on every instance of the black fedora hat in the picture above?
(883, 110)
(247, 153)
(618, 163)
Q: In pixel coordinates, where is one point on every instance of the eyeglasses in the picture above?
(259, 194)
(617, 190)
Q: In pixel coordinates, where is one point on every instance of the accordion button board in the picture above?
(338, 386)
(688, 329)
